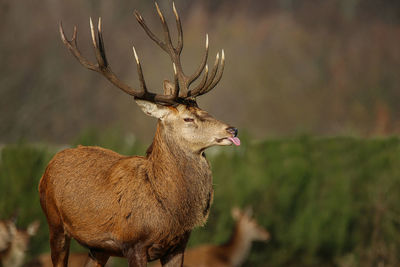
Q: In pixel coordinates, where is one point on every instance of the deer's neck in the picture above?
(186, 174)
(238, 247)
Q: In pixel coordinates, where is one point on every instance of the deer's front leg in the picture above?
(136, 256)
(175, 258)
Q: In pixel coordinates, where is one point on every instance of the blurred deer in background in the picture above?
(141, 208)
(14, 242)
(236, 250)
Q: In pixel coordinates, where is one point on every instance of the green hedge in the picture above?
(325, 201)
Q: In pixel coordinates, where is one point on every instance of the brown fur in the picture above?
(142, 208)
(6, 237)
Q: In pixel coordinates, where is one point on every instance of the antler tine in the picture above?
(101, 43)
(140, 72)
(173, 52)
(167, 45)
(213, 72)
(201, 67)
(196, 91)
(182, 82)
(152, 36)
(216, 81)
(145, 94)
(100, 60)
(207, 82)
(180, 32)
(176, 78)
(103, 67)
(167, 35)
(73, 48)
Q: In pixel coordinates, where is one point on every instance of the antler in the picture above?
(208, 82)
(181, 80)
(103, 67)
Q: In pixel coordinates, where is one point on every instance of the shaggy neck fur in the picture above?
(185, 174)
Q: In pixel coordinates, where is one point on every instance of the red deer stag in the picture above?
(141, 208)
(14, 242)
(235, 251)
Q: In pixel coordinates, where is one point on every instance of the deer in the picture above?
(142, 208)
(14, 242)
(235, 251)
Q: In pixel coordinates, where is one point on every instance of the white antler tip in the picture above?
(92, 32)
(99, 24)
(159, 12)
(138, 15)
(223, 54)
(206, 70)
(173, 7)
(175, 72)
(206, 40)
(217, 57)
(136, 56)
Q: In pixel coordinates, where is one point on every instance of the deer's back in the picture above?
(87, 185)
(82, 171)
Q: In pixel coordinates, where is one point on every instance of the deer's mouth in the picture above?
(235, 140)
(232, 139)
(229, 141)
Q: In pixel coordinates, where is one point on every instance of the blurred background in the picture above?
(313, 87)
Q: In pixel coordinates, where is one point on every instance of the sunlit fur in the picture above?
(142, 208)
(204, 131)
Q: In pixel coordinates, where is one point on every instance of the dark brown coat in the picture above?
(117, 205)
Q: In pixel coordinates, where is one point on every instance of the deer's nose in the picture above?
(232, 130)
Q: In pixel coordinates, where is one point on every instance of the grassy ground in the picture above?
(325, 201)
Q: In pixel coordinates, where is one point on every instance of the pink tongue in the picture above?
(235, 140)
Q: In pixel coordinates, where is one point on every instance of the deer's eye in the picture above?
(188, 119)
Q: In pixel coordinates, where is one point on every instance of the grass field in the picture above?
(325, 201)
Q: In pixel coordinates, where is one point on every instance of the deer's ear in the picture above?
(33, 228)
(152, 109)
(236, 213)
(12, 228)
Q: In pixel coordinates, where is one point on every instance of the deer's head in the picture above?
(23, 236)
(190, 126)
(177, 110)
(249, 225)
(14, 242)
